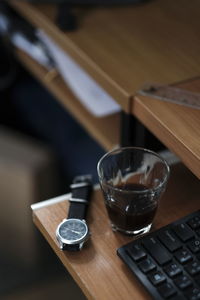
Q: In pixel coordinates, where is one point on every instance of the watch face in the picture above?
(72, 231)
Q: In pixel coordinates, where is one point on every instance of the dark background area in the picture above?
(27, 108)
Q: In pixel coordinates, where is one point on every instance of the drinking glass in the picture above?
(132, 180)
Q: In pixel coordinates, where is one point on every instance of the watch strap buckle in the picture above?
(78, 200)
(79, 185)
(87, 179)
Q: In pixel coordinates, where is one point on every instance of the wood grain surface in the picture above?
(97, 269)
(123, 47)
(178, 127)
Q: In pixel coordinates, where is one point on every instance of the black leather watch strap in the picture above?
(81, 191)
(71, 247)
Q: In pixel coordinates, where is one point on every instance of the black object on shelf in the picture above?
(166, 261)
(134, 133)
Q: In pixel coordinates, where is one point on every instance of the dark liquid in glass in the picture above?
(128, 211)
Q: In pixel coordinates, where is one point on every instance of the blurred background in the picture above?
(39, 156)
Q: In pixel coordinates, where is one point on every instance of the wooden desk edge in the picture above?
(57, 199)
(161, 128)
(48, 238)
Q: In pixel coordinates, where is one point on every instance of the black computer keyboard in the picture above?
(167, 261)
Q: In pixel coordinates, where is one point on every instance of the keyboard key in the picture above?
(194, 245)
(183, 282)
(167, 290)
(157, 251)
(136, 252)
(193, 268)
(147, 265)
(183, 256)
(183, 231)
(194, 223)
(193, 294)
(197, 280)
(157, 277)
(169, 240)
(173, 269)
(177, 297)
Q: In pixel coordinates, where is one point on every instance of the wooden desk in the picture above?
(97, 269)
(122, 48)
(178, 127)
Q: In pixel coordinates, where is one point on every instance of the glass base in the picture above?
(134, 232)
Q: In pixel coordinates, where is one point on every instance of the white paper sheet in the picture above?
(92, 96)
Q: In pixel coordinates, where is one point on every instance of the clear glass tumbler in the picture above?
(132, 180)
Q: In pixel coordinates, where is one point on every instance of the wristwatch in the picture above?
(73, 232)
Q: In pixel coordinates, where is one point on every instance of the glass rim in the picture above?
(121, 149)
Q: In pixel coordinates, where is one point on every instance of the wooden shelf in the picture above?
(123, 47)
(97, 269)
(178, 127)
(96, 127)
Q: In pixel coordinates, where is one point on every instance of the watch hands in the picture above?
(75, 231)
(72, 230)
